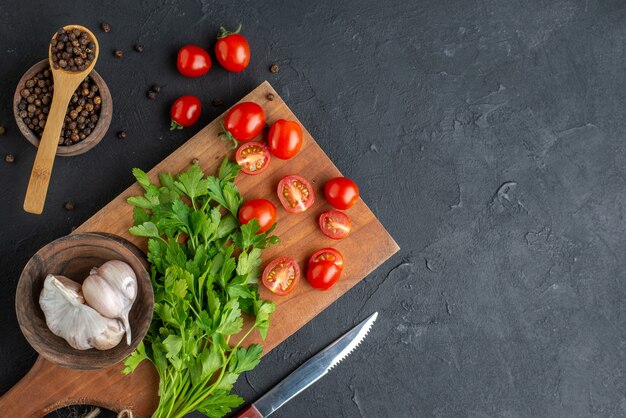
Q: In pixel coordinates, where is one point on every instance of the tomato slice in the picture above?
(295, 193)
(335, 224)
(281, 275)
(323, 274)
(253, 157)
(327, 254)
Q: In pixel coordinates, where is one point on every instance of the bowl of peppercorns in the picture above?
(87, 118)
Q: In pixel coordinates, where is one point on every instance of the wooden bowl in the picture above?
(102, 126)
(73, 256)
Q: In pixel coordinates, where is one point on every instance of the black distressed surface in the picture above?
(488, 137)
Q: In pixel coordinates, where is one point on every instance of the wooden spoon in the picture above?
(65, 84)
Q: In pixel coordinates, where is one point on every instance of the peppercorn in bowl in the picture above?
(87, 118)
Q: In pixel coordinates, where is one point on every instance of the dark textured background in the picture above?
(486, 135)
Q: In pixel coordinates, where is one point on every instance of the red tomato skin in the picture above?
(284, 182)
(275, 288)
(193, 61)
(233, 52)
(186, 110)
(338, 218)
(245, 121)
(341, 192)
(338, 257)
(285, 139)
(240, 156)
(323, 274)
(260, 209)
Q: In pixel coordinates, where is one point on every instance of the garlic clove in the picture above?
(111, 289)
(109, 336)
(72, 285)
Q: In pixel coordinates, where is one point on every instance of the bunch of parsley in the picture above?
(204, 270)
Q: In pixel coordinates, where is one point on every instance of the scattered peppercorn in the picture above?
(118, 54)
(195, 161)
(72, 50)
(217, 102)
(270, 96)
(82, 114)
(73, 228)
(274, 68)
(138, 47)
(2, 130)
(9, 158)
(156, 88)
(152, 94)
(106, 28)
(69, 205)
(121, 134)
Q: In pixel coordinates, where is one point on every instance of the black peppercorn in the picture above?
(121, 134)
(274, 68)
(9, 158)
(69, 205)
(2, 130)
(270, 96)
(138, 47)
(195, 161)
(118, 54)
(106, 28)
(152, 94)
(156, 88)
(217, 102)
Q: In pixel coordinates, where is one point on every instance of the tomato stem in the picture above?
(224, 32)
(175, 125)
(227, 136)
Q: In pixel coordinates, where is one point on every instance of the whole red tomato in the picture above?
(193, 61)
(285, 139)
(243, 122)
(184, 112)
(262, 210)
(341, 192)
(323, 274)
(232, 50)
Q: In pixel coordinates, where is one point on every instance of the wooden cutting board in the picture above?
(47, 386)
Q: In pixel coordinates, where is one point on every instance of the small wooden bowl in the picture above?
(73, 256)
(106, 113)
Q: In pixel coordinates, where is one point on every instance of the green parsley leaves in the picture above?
(204, 268)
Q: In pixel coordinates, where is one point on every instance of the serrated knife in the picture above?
(310, 372)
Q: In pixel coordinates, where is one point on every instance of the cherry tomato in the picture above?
(253, 157)
(243, 122)
(295, 193)
(281, 275)
(184, 112)
(193, 61)
(232, 50)
(341, 192)
(335, 224)
(323, 274)
(285, 139)
(262, 210)
(327, 254)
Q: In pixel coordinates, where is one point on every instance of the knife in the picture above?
(310, 372)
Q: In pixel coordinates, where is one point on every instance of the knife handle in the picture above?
(249, 412)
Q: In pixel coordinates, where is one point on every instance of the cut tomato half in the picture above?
(281, 275)
(327, 254)
(253, 157)
(335, 224)
(295, 193)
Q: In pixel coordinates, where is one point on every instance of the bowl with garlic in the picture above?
(85, 301)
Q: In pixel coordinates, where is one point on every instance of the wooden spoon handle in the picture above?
(42, 168)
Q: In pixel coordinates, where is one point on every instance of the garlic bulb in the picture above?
(80, 325)
(111, 290)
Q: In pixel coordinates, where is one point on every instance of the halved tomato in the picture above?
(281, 275)
(295, 193)
(323, 274)
(253, 157)
(327, 254)
(335, 224)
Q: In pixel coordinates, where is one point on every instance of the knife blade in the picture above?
(309, 372)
